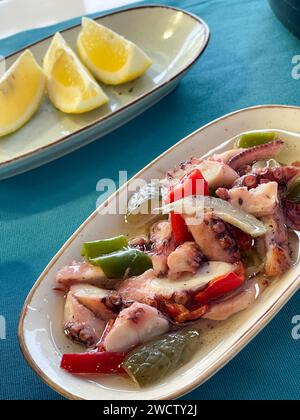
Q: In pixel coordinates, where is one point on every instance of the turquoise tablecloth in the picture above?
(248, 62)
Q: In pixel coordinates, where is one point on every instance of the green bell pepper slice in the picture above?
(130, 262)
(248, 140)
(95, 249)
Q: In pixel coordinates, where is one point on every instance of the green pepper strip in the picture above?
(255, 139)
(95, 249)
(154, 360)
(131, 262)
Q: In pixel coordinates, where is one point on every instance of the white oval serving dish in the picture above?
(173, 38)
(40, 328)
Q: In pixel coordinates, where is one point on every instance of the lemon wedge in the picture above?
(111, 58)
(71, 87)
(21, 91)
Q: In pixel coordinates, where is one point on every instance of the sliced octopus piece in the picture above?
(135, 325)
(239, 301)
(80, 324)
(215, 239)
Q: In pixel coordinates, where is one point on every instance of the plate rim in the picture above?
(207, 35)
(226, 357)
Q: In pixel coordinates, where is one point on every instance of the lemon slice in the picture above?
(110, 57)
(71, 88)
(21, 91)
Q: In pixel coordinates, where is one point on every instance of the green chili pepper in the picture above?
(255, 139)
(95, 249)
(293, 193)
(127, 261)
(153, 361)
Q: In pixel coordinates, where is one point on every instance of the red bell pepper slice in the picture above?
(106, 362)
(179, 313)
(220, 287)
(181, 233)
(189, 185)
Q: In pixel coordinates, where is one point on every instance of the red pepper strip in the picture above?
(220, 287)
(175, 309)
(188, 185)
(179, 313)
(180, 231)
(93, 362)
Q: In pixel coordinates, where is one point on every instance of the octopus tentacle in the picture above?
(80, 324)
(180, 170)
(253, 154)
(260, 201)
(162, 245)
(187, 258)
(222, 244)
(280, 175)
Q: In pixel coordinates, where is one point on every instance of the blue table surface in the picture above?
(248, 62)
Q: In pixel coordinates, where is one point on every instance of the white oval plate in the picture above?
(40, 328)
(173, 38)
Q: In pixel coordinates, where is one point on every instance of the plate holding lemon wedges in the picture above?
(78, 85)
(70, 86)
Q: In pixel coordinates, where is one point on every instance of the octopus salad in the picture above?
(221, 232)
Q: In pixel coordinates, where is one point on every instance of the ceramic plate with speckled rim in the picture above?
(40, 328)
(173, 38)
